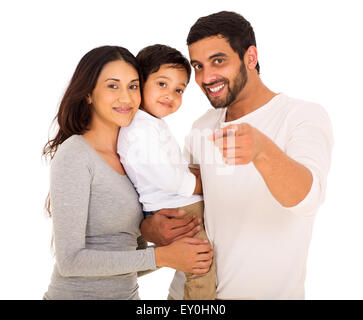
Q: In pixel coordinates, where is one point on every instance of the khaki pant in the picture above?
(203, 286)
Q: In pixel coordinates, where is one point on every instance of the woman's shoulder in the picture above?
(74, 150)
(74, 143)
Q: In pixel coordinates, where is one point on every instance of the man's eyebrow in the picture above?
(218, 54)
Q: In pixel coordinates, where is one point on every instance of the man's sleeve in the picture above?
(310, 142)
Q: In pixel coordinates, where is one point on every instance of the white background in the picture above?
(307, 49)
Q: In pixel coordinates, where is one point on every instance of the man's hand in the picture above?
(288, 181)
(239, 144)
(168, 225)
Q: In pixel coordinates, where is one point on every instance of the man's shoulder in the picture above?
(208, 119)
(303, 109)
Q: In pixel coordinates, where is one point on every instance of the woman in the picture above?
(95, 209)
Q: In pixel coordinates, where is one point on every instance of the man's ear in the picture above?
(251, 58)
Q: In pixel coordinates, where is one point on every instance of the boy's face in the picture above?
(163, 90)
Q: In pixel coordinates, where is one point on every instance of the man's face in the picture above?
(218, 70)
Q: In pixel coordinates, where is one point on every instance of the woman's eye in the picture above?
(162, 84)
(134, 87)
(113, 86)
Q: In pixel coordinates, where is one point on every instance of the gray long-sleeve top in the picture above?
(96, 216)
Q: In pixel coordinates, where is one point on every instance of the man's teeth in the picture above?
(216, 88)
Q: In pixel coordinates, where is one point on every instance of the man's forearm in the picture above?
(288, 181)
(146, 230)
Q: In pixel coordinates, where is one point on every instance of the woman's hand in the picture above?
(189, 255)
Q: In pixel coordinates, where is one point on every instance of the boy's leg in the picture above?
(199, 287)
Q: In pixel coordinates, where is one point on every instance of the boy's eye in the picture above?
(162, 84)
(180, 91)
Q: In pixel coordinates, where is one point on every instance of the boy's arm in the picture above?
(149, 162)
(198, 183)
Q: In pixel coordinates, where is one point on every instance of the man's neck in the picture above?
(253, 96)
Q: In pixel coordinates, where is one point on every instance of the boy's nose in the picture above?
(169, 96)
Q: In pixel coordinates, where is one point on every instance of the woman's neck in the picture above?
(102, 137)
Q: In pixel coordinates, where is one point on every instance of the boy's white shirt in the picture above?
(260, 247)
(154, 163)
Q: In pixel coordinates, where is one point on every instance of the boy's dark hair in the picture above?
(152, 57)
(231, 25)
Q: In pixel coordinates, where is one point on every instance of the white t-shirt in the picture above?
(260, 247)
(154, 163)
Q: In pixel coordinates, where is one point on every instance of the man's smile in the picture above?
(216, 89)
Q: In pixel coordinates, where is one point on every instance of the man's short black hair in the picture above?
(231, 25)
(152, 57)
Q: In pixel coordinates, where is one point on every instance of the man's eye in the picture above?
(197, 67)
(218, 61)
(162, 84)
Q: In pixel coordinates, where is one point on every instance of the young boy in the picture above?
(151, 156)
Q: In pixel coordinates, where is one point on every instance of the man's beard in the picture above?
(239, 81)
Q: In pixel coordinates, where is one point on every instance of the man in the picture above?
(263, 187)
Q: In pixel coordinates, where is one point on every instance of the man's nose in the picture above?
(208, 76)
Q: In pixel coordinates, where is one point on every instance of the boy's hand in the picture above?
(168, 225)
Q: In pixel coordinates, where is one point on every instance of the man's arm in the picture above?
(288, 181)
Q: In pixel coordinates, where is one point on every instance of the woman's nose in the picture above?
(124, 97)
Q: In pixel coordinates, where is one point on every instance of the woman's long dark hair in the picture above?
(74, 114)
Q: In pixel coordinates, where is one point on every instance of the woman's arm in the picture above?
(71, 178)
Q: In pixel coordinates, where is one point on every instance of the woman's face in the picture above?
(116, 96)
